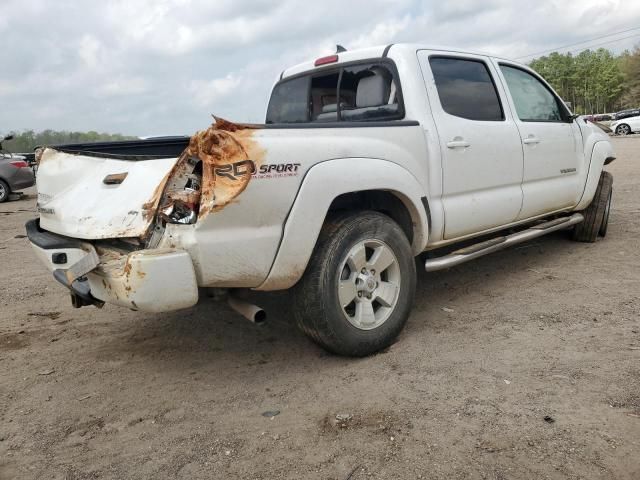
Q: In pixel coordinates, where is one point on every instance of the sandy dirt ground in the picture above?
(520, 365)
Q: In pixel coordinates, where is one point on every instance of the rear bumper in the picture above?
(155, 280)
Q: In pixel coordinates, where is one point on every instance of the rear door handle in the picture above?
(531, 139)
(458, 143)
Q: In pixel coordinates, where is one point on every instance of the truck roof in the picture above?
(377, 52)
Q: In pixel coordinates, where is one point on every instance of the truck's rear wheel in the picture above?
(357, 291)
(596, 215)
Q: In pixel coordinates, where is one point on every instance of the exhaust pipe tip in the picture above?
(251, 312)
(260, 316)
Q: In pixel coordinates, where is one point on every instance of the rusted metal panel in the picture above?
(229, 157)
(139, 279)
(93, 197)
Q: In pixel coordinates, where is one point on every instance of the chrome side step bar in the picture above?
(499, 243)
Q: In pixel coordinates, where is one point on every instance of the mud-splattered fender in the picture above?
(601, 151)
(322, 184)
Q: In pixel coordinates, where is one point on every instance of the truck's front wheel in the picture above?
(596, 215)
(358, 289)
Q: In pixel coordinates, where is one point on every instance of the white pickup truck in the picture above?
(367, 159)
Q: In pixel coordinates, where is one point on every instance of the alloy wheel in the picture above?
(623, 130)
(368, 284)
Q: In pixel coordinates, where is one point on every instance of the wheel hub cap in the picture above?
(368, 284)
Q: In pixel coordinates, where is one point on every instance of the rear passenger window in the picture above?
(533, 100)
(466, 89)
(289, 102)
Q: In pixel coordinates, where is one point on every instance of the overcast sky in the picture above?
(157, 67)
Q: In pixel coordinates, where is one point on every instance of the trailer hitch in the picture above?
(74, 278)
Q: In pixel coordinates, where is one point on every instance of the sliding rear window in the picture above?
(355, 92)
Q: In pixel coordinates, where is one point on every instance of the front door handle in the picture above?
(531, 139)
(458, 142)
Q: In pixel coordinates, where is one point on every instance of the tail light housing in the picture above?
(19, 163)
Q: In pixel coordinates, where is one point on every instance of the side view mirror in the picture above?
(8, 137)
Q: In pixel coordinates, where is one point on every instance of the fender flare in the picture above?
(602, 150)
(321, 185)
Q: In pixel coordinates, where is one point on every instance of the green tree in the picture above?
(592, 81)
(630, 66)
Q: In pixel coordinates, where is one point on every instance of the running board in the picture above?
(499, 243)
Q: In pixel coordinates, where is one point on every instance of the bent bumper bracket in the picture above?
(74, 279)
(79, 288)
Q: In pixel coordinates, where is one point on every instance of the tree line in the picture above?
(594, 81)
(26, 141)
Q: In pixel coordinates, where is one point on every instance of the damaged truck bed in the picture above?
(115, 207)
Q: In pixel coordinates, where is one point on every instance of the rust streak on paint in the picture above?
(224, 144)
(127, 268)
(220, 147)
(149, 207)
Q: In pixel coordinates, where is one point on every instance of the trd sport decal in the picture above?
(235, 171)
(277, 170)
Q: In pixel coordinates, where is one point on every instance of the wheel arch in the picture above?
(602, 150)
(342, 184)
(383, 201)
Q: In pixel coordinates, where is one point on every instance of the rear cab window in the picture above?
(352, 92)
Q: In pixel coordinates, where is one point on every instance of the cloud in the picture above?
(209, 92)
(383, 32)
(89, 50)
(163, 66)
(123, 86)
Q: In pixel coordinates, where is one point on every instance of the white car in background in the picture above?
(626, 126)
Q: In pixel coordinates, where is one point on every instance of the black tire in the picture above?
(316, 300)
(605, 219)
(623, 129)
(596, 214)
(4, 191)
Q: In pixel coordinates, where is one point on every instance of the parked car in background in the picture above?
(604, 117)
(626, 125)
(15, 173)
(632, 112)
